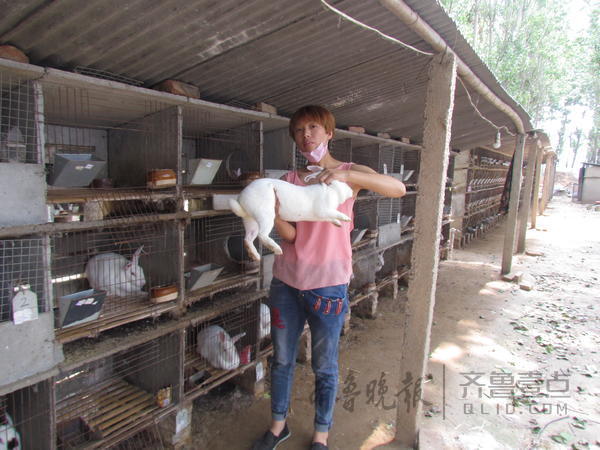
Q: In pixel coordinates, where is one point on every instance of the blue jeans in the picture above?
(324, 309)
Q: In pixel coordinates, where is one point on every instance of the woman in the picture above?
(310, 279)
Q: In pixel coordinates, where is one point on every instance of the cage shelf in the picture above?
(492, 168)
(136, 309)
(230, 282)
(137, 130)
(111, 408)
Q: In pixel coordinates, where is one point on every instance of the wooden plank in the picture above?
(139, 413)
(110, 407)
(79, 403)
(135, 311)
(83, 195)
(124, 414)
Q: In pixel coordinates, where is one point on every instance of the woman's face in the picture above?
(309, 134)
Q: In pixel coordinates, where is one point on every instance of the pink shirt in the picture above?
(321, 254)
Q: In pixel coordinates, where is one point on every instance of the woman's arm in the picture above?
(286, 230)
(363, 177)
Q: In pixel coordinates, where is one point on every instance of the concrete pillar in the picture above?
(513, 206)
(252, 380)
(176, 429)
(536, 189)
(524, 211)
(548, 184)
(367, 308)
(425, 255)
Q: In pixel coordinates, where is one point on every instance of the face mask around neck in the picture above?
(317, 154)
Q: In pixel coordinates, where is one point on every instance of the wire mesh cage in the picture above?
(385, 159)
(477, 201)
(368, 156)
(147, 439)
(278, 152)
(23, 292)
(228, 340)
(365, 220)
(300, 162)
(388, 221)
(120, 139)
(215, 258)
(486, 178)
(20, 108)
(114, 275)
(25, 418)
(482, 157)
(341, 149)
(103, 402)
(391, 161)
(408, 208)
(387, 263)
(388, 211)
(219, 148)
(411, 165)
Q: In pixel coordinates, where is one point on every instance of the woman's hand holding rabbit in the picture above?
(328, 175)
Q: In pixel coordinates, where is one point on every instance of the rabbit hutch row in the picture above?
(126, 289)
(480, 177)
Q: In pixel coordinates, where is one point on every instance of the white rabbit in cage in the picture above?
(264, 322)
(115, 274)
(313, 203)
(215, 345)
(9, 437)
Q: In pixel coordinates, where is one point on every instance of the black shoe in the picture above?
(318, 446)
(269, 441)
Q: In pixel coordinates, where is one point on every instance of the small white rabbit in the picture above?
(313, 203)
(9, 437)
(115, 274)
(216, 346)
(264, 322)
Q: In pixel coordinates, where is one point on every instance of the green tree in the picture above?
(593, 152)
(526, 44)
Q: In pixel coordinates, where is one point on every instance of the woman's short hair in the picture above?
(317, 113)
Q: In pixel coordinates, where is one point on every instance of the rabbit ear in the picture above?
(238, 337)
(136, 256)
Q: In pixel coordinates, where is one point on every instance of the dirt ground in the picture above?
(489, 338)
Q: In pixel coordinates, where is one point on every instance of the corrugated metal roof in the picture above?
(287, 53)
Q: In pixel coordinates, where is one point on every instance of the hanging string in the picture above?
(375, 30)
(498, 128)
(410, 47)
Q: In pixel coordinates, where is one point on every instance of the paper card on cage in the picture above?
(24, 305)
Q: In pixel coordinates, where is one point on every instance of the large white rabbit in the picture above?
(9, 436)
(115, 274)
(313, 203)
(216, 346)
(264, 322)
